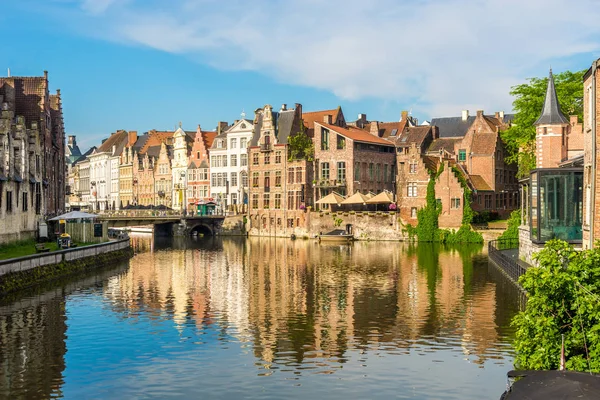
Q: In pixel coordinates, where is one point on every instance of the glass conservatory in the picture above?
(556, 204)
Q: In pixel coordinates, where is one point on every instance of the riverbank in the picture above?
(24, 272)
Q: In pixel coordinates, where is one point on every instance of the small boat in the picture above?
(337, 235)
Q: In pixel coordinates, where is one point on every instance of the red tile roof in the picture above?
(356, 134)
(318, 116)
(479, 183)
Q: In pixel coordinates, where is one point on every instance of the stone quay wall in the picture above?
(23, 272)
(365, 225)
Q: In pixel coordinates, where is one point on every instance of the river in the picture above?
(265, 319)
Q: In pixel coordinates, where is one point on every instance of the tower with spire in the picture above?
(552, 130)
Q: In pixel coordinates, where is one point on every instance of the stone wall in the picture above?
(365, 225)
(526, 247)
(233, 226)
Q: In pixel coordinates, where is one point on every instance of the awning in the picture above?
(382, 198)
(17, 178)
(356, 198)
(74, 215)
(331, 198)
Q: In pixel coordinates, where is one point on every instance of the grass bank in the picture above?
(27, 247)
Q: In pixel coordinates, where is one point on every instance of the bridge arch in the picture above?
(201, 230)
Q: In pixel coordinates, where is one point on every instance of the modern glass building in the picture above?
(556, 204)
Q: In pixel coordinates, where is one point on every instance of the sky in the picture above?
(150, 64)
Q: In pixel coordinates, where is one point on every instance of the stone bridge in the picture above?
(169, 225)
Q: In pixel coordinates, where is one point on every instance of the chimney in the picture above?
(403, 115)
(132, 137)
(283, 107)
(480, 113)
(327, 119)
(46, 75)
(72, 141)
(222, 127)
(114, 149)
(375, 128)
(497, 115)
(465, 115)
(298, 108)
(501, 115)
(435, 132)
(9, 72)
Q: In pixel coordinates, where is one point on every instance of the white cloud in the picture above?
(437, 55)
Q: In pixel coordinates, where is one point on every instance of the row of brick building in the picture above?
(32, 154)
(254, 167)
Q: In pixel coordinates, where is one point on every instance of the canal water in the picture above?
(265, 319)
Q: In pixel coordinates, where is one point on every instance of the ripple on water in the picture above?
(265, 319)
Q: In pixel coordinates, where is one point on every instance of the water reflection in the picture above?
(377, 316)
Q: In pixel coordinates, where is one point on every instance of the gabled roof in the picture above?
(479, 183)
(452, 127)
(412, 134)
(484, 143)
(318, 116)
(358, 135)
(443, 144)
(118, 139)
(29, 93)
(551, 113)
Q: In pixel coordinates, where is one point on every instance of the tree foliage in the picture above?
(301, 146)
(528, 104)
(512, 231)
(427, 217)
(563, 298)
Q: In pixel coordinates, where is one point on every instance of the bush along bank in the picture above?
(20, 280)
(427, 229)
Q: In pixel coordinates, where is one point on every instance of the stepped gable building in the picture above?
(553, 203)
(229, 165)
(30, 99)
(199, 185)
(279, 186)
(591, 129)
(475, 143)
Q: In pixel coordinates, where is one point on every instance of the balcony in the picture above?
(330, 183)
(266, 147)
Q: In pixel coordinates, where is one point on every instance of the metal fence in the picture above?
(504, 253)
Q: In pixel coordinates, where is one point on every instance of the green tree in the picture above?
(301, 146)
(562, 299)
(528, 103)
(512, 231)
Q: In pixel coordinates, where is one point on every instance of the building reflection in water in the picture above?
(301, 304)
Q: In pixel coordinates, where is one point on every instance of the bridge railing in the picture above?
(154, 214)
(502, 253)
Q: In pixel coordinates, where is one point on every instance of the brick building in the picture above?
(199, 184)
(279, 186)
(350, 159)
(30, 98)
(475, 143)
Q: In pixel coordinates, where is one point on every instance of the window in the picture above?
(290, 204)
(341, 171)
(233, 143)
(291, 175)
(371, 171)
(378, 172)
(214, 179)
(233, 160)
(266, 200)
(243, 143)
(462, 155)
(203, 174)
(234, 199)
(412, 189)
(455, 203)
(325, 170)
(324, 139)
(412, 168)
(267, 180)
(357, 171)
(488, 201)
(255, 200)
(298, 199)
(278, 157)
(24, 202)
(277, 178)
(413, 212)
(233, 179)
(255, 179)
(9, 201)
(298, 174)
(290, 222)
(341, 142)
(224, 159)
(255, 159)
(277, 201)
(243, 160)
(385, 173)
(267, 158)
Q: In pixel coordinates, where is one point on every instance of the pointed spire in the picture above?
(551, 113)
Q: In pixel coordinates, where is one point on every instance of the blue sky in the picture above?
(144, 64)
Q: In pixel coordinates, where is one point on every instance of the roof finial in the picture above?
(243, 114)
(180, 124)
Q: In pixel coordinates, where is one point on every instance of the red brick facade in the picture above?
(591, 178)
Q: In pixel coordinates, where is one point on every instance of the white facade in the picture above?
(179, 170)
(114, 200)
(99, 180)
(229, 164)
